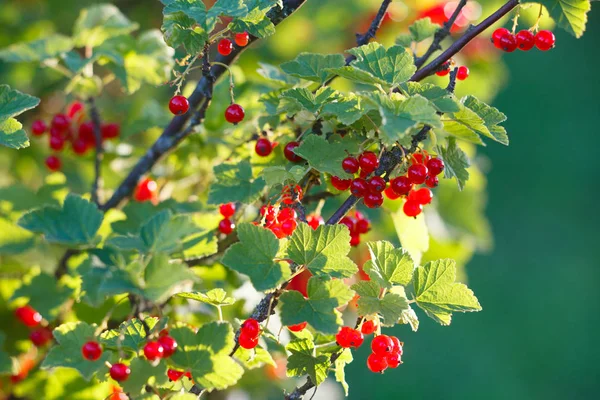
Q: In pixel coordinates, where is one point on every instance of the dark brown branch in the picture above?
(96, 122)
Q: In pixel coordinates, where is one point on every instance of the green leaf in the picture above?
(45, 294)
(206, 354)
(277, 175)
(11, 134)
(443, 101)
(37, 50)
(319, 309)
(388, 266)
(67, 353)
(99, 23)
(14, 239)
(466, 125)
(324, 251)
(163, 278)
(254, 358)
(437, 293)
(273, 73)
(234, 183)
(228, 8)
(491, 118)
(5, 360)
(347, 110)
(303, 361)
(455, 162)
(322, 155)
(340, 364)
(309, 101)
(255, 22)
(85, 86)
(130, 335)
(412, 233)
(571, 15)
(13, 103)
(423, 29)
(253, 256)
(180, 29)
(313, 67)
(215, 297)
(390, 306)
(74, 224)
(142, 373)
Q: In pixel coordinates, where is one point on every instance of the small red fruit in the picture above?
(420, 158)
(393, 360)
(350, 223)
(417, 174)
(289, 226)
(368, 161)
(61, 122)
(57, 143)
(40, 337)
(38, 127)
(288, 152)
(247, 341)
(168, 344)
(53, 163)
(525, 40)
(373, 200)
(28, 316)
(225, 47)
(359, 187)
(401, 185)
(119, 372)
(242, 39)
(397, 345)
(462, 73)
(145, 190)
(508, 43)
(153, 350)
(544, 40)
(179, 105)
(377, 184)
(251, 327)
(382, 344)
(497, 35)
(354, 240)
(368, 327)
(86, 133)
(435, 166)
(314, 221)
(226, 226)
(263, 147)
(445, 69)
(390, 194)
(110, 131)
(350, 165)
(286, 213)
(340, 184)
(74, 108)
(377, 363)
(432, 181)
(234, 114)
(362, 226)
(79, 147)
(412, 208)
(227, 210)
(174, 375)
(298, 327)
(424, 196)
(91, 350)
(348, 337)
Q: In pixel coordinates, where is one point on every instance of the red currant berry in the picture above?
(350, 223)
(363, 226)
(314, 221)
(354, 240)
(91, 350)
(359, 187)
(263, 147)
(373, 200)
(146, 190)
(544, 40)
(288, 152)
(234, 114)
(401, 185)
(412, 208)
(40, 337)
(28, 316)
(368, 161)
(110, 131)
(348, 337)
(462, 73)
(225, 47)
(508, 43)
(420, 158)
(61, 122)
(444, 69)
(79, 147)
(286, 213)
(179, 105)
(435, 166)
(432, 181)
(340, 184)
(298, 327)
(119, 372)
(57, 143)
(289, 194)
(397, 349)
(53, 163)
(38, 127)
(289, 226)
(86, 133)
(350, 165)
(168, 344)
(377, 184)
(268, 213)
(153, 350)
(277, 231)
(382, 344)
(251, 327)
(393, 360)
(424, 196)
(525, 40)
(174, 375)
(390, 194)
(247, 341)
(377, 363)
(227, 210)
(188, 375)
(226, 226)
(356, 338)
(417, 174)
(497, 35)
(74, 108)
(368, 327)
(242, 39)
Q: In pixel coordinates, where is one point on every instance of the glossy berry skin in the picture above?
(390, 194)
(86, 133)
(74, 108)
(382, 344)
(119, 372)
(377, 363)
(53, 163)
(242, 39)
(79, 147)
(38, 127)
(298, 327)
(397, 345)
(40, 337)
(234, 114)
(354, 240)
(359, 187)
(420, 158)
(412, 208)
(225, 47)
(462, 73)
(145, 190)
(432, 181)
(368, 161)
(445, 69)
(373, 200)
(377, 184)
(497, 35)
(544, 40)
(179, 105)
(368, 327)
(424, 196)
(362, 226)
(508, 43)
(350, 223)
(61, 122)
(91, 351)
(289, 226)
(286, 214)
(247, 342)
(110, 131)
(288, 152)
(340, 184)
(174, 375)
(153, 351)
(393, 360)
(417, 174)
(28, 316)
(57, 143)
(401, 185)
(525, 40)
(168, 344)
(263, 147)
(435, 166)
(314, 221)
(350, 165)
(251, 327)
(226, 226)
(348, 337)
(227, 210)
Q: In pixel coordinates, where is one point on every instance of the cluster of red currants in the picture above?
(40, 336)
(461, 74)
(179, 105)
(358, 225)
(226, 226)
(225, 46)
(174, 375)
(249, 334)
(146, 190)
(71, 127)
(386, 353)
(371, 189)
(525, 40)
(282, 223)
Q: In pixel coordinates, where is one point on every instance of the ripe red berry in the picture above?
(525, 40)
(362, 226)
(377, 184)
(227, 210)
(462, 73)
(234, 114)
(348, 337)
(432, 181)
(226, 226)
(508, 43)
(390, 194)
(298, 327)
(420, 158)
(544, 40)
(74, 108)
(40, 337)
(61, 122)
(179, 105)
(314, 221)
(382, 344)
(242, 39)
(110, 131)
(401, 185)
(350, 223)
(350, 165)
(354, 240)
(286, 214)
(393, 360)
(444, 69)
(86, 133)
(424, 196)
(377, 363)
(263, 147)
(412, 208)
(153, 350)
(225, 47)
(268, 213)
(174, 375)
(368, 327)
(247, 341)
(417, 174)
(277, 231)
(397, 345)
(168, 344)
(79, 146)
(289, 226)
(28, 316)
(359, 187)
(340, 184)
(288, 152)
(91, 350)
(251, 327)
(368, 161)
(119, 372)
(373, 200)
(57, 143)
(435, 166)
(53, 163)
(38, 127)
(145, 190)
(498, 34)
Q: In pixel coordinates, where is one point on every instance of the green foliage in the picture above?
(340, 365)
(37, 50)
(390, 306)
(304, 361)
(99, 23)
(13, 103)
(313, 67)
(129, 336)
(234, 183)
(388, 266)
(215, 297)
(323, 155)
(455, 161)
(571, 15)
(423, 29)
(5, 361)
(45, 294)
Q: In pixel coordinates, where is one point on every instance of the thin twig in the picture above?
(96, 122)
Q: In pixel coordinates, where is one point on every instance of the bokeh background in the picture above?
(538, 283)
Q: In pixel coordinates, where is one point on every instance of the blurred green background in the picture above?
(538, 286)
